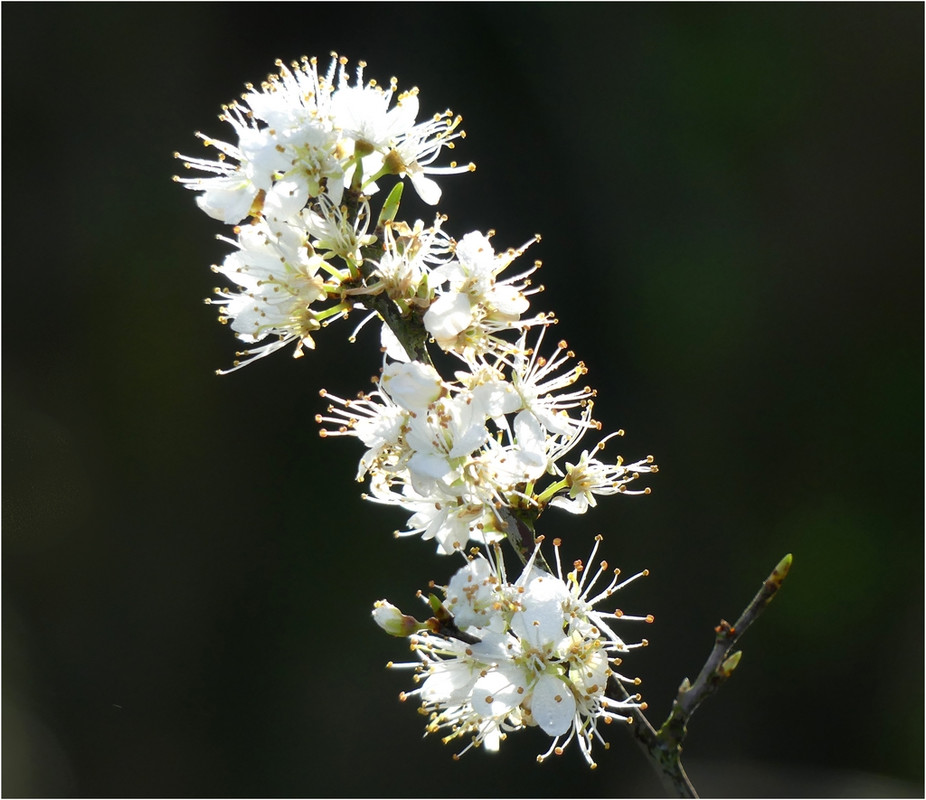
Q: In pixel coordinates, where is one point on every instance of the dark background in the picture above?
(731, 205)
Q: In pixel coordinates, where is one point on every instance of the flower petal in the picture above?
(553, 705)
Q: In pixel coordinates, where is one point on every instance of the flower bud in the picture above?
(393, 621)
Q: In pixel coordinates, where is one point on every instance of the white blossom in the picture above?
(335, 232)
(590, 477)
(287, 149)
(415, 153)
(409, 254)
(471, 306)
(301, 135)
(457, 454)
(413, 386)
(278, 276)
(448, 520)
(535, 652)
(547, 394)
(374, 419)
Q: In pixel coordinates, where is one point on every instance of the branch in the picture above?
(664, 747)
(408, 328)
(665, 760)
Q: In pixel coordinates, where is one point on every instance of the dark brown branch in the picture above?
(408, 328)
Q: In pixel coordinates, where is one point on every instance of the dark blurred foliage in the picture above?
(731, 205)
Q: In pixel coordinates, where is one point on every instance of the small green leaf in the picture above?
(391, 206)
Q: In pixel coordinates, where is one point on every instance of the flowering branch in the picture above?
(476, 458)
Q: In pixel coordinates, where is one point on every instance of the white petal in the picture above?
(450, 314)
(393, 347)
(287, 197)
(402, 116)
(229, 200)
(531, 444)
(577, 506)
(475, 251)
(499, 690)
(450, 682)
(497, 398)
(427, 189)
(428, 466)
(553, 705)
(469, 593)
(468, 428)
(509, 301)
(413, 385)
(452, 534)
(591, 677)
(542, 621)
(491, 735)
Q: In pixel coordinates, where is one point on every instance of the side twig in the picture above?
(664, 747)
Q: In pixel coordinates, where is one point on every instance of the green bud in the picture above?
(726, 669)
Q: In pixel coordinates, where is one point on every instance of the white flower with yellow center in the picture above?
(471, 306)
(502, 656)
(416, 151)
(590, 477)
(545, 387)
(409, 254)
(335, 233)
(287, 149)
(277, 273)
(301, 135)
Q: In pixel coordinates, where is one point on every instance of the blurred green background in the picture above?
(731, 204)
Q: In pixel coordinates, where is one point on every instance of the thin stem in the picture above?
(665, 760)
(408, 329)
(721, 662)
(664, 747)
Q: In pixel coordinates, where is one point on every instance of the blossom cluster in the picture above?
(456, 453)
(466, 457)
(302, 134)
(501, 656)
